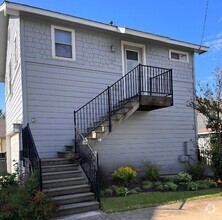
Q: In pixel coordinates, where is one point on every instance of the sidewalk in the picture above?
(205, 209)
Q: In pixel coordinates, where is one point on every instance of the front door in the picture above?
(132, 57)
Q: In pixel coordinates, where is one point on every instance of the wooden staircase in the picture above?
(65, 182)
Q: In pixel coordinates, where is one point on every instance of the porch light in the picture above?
(17, 127)
(113, 48)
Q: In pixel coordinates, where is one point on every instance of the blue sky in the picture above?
(178, 19)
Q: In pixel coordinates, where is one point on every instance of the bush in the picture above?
(197, 171)
(122, 191)
(20, 200)
(192, 186)
(216, 160)
(151, 172)
(207, 183)
(124, 175)
(135, 190)
(170, 186)
(158, 185)
(6, 180)
(183, 178)
(111, 191)
(147, 185)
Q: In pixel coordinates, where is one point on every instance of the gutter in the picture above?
(15, 8)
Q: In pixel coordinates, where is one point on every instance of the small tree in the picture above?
(209, 103)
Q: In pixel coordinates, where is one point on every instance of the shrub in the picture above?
(216, 160)
(210, 183)
(158, 185)
(147, 185)
(111, 191)
(183, 178)
(122, 191)
(6, 180)
(151, 172)
(124, 175)
(170, 186)
(19, 199)
(168, 178)
(192, 186)
(197, 171)
(135, 190)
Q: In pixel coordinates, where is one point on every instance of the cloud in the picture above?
(215, 45)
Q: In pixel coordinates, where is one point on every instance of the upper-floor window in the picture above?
(179, 56)
(63, 43)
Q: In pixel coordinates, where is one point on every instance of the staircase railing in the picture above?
(89, 162)
(30, 154)
(142, 80)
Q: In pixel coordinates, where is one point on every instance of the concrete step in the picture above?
(67, 190)
(55, 161)
(73, 198)
(63, 182)
(77, 208)
(63, 167)
(61, 175)
(69, 148)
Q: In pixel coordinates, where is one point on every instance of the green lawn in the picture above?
(150, 199)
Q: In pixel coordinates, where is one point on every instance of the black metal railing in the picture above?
(30, 154)
(142, 80)
(90, 164)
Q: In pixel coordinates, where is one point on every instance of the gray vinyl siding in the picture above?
(56, 88)
(14, 107)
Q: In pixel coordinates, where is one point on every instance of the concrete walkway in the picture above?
(205, 209)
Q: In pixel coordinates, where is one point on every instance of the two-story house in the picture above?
(106, 90)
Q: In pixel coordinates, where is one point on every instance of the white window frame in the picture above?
(179, 52)
(53, 27)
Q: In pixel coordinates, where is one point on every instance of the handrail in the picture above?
(148, 80)
(90, 164)
(30, 152)
(140, 80)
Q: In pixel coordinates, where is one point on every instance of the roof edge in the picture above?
(10, 6)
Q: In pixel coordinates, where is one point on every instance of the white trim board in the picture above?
(17, 8)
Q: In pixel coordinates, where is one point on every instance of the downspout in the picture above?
(195, 112)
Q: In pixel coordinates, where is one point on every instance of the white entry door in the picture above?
(132, 57)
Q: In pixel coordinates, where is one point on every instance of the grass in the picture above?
(150, 199)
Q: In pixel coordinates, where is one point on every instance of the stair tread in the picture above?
(54, 159)
(76, 195)
(78, 205)
(60, 172)
(66, 188)
(60, 165)
(64, 180)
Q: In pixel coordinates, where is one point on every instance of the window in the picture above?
(178, 56)
(63, 43)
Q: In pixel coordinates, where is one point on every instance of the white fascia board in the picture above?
(122, 30)
(56, 15)
(197, 48)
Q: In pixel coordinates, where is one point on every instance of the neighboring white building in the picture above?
(53, 63)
